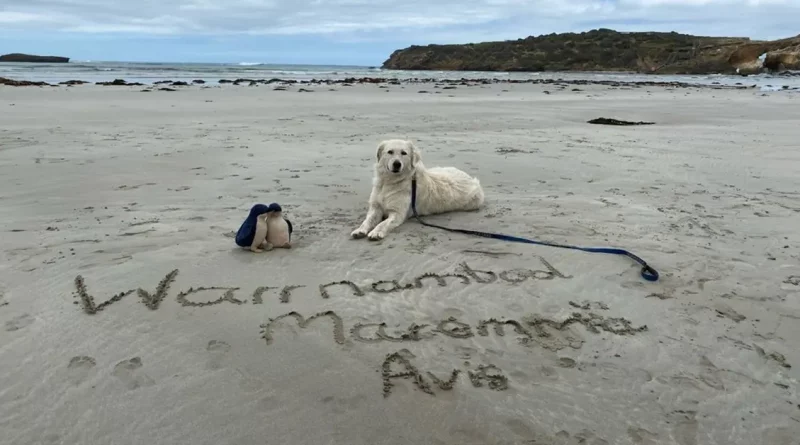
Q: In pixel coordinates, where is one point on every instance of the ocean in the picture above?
(213, 72)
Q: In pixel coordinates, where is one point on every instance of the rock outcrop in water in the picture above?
(21, 83)
(120, 82)
(18, 57)
(605, 50)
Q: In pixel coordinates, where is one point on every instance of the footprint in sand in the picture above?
(466, 433)
(545, 372)
(641, 436)
(79, 368)
(723, 310)
(520, 428)
(588, 437)
(339, 405)
(19, 322)
(217, 350)
(566, 362)
(684, 427)
(129, 372)
(584, 437)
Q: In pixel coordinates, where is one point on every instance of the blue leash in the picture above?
(648, 273)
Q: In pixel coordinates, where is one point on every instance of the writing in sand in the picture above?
(529, 330)
(465, 276)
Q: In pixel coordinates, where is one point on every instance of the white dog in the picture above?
(439, 189)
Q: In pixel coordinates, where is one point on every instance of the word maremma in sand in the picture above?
(465, 276)
(531, 330)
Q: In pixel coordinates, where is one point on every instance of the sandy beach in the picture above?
(128, 315)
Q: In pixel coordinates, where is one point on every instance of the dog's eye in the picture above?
(403, 153)
(391, 152)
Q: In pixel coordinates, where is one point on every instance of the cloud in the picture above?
(28, 19)
(347, 17)
(340, 27)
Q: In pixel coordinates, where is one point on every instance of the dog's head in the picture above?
(397, 156)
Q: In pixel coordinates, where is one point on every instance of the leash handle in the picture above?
(647, 272)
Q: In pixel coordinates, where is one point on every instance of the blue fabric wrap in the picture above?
(244, 237)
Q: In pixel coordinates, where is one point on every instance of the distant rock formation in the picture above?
(120, 82)
(605, 50)
(21, 83)
(17, 57)
(787, 59)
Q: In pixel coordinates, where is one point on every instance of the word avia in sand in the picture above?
(488, 374)
(466, 275)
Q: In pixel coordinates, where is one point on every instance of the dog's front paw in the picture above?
(376, 235)
(358, 233)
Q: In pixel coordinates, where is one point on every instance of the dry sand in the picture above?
(105, 191)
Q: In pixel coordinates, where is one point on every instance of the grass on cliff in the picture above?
(597, 50)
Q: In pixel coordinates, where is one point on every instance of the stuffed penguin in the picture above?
(254, 230)
(279, 229)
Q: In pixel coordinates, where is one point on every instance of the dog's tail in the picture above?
(478, 198)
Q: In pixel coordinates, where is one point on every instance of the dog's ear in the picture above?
(381, 147)
(412, 148)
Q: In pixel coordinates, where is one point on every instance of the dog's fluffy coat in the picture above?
(439, 189)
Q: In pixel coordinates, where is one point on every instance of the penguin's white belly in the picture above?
(261, 232)
(278, 232)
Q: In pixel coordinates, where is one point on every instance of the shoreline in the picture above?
(212, 74)
(283, 82)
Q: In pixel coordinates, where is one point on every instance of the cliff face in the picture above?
(784, 59)
(600, 50)
(17, 57)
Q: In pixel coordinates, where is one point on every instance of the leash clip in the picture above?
(649, 274)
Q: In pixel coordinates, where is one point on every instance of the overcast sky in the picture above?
(349, 32)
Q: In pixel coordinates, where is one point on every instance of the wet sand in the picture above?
(129, 316)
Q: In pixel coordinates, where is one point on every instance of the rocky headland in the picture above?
(19, 57)
(607, 50)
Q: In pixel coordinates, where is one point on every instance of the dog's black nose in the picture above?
(396, 165)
